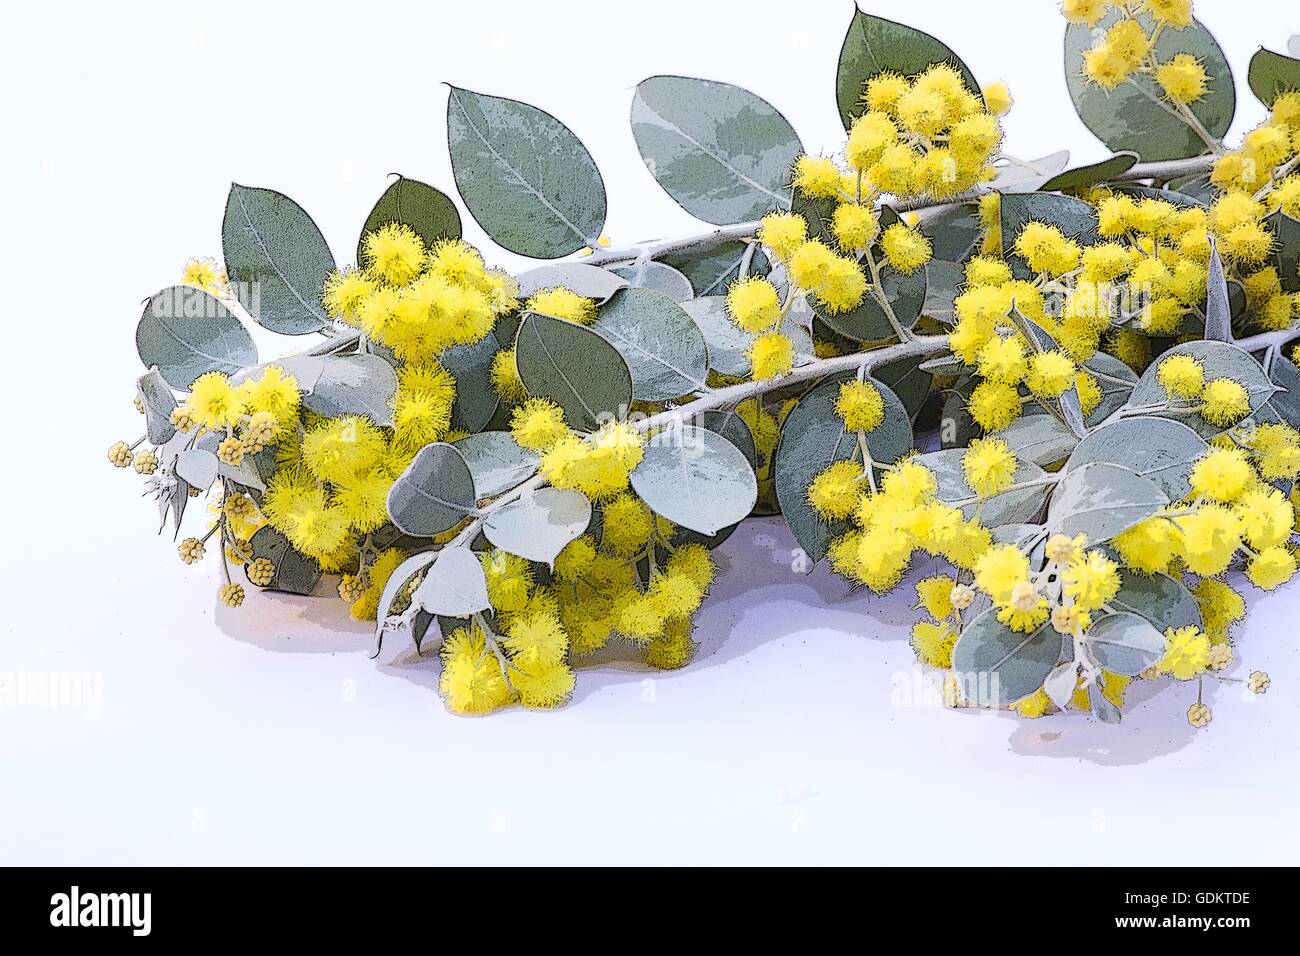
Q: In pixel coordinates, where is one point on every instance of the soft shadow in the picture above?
(317, 623)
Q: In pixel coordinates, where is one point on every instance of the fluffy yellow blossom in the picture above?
(753, 304)
(817, 177)
(538, 424)
(1271, 567)
(833, 493)
(1182, 78)
(999, 571)
(906, 249)
(855, 226)
(860, 405)
(933, 643)
(1187, 653)
(770, 355)
(1046, 249)
(562, 303)
(1050, 374)
(783, 233)
(997, 97)
(214, 402)
(994, 405)
(989, 466)
(1181, 376)
(1091, 580)
(1224, 402)
(393, 253)
(1002, 359)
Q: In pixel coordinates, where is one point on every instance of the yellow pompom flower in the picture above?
(1277, 451)
(934, 594)
(471, 681)
(338, 449)
(456, 261)
(1182, 78)
(855, 226)
(535, 638)
(1150, 546)
(1181, 376)
(274, 393)
(989, 466)
(1210, 537)
(1050, 374)
(833, 493)
(893, 172)
(933, 643)
(1002, 359)
(1222, 475)
(1091, 580)
(1271, 568)
(923, 110)
(994, 405)
(997, 97)
(999, 571)
(783, 233)
(538, 424)
(906, 249)
(860, 405)
(626, 525)
(842, 287)
(214, 402)
(543, 685)
(885, 89)
(1187, 653)
(1176, 13)
(1087, 12)
(817, 177)
(1105, 66)
(393, 253)
(1267, 517)
(345, 291)
(1224, 402)
(811, 263)
(869, 136)
(1220, 607)
(296, 506)
(985, 270)
(753, 304)
(504, 374)
(363, 499)
(562, 303)
(1046, 249)
(770, 355)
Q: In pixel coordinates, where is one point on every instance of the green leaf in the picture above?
(1102, 708)
(197, 467)
(158, 402)
(1081, 177)
(873, 45)
(1136, 116)
(868, 322)
(1286, 253)
(696, 478)
(434, 494)
(649, 274)
(591, 282)
(1116, 380)
(295, 573)
(476, 400)
(1016, 506)
(1041, 439)
(539, 524)
(712, 270)
(812, 439)
(354, 385)
(496, 462)
(408, 569)
(663, 347)
(1101, 500)
(727, 342)
(425, 209)
(185, 333)
(1272, 74)
(1284, 373)
(722, 153)
(575, 368)
(1074, 217)
(998, 666)
(1218, 312)
(454, 585)
(277, 260)
(954, 232)
(908, 381)
(1220, 360)
(527, 180)
(1125, 643)
(1159, 598)
(1160, 449)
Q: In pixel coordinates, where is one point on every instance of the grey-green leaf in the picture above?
(1082, 177)
(1125, 643)
(434, 494)
(722, 153)
(526, 178)
(540, 523)
(496, 462)
(1016, 506)
(649, 274)
(873, 45)
(1159, 598)
(185, 333)
(354, 385)
(454, 585)
(696, 478)
(198, 467)
(1041, 439)
(476, 400)
(295, 573)
(591, 282)
(412, 203)
(1136, 116)
(997, 666)
(663, 347)
(1218, 312)
(158, 402)
(1160, 449)
(1074, 217)
(396, 581)
(574, 367)
(277, 260)
(1272, 74)
(712, 270)
(1220, 360)
(1101, 501)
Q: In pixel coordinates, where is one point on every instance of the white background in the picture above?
(267, 734)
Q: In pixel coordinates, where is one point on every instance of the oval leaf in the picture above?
(1136, 116)
(1220, 360)
(696, 478)
(659, 277)
(396, 581)
(721, 152)
(591, 282)
(1125, 643)
(1016, 506)
(1102, 500)
(185, 332)
(873, 45)
(428, 211)
(354, 385)
(198, 467)
(295, 573)
(728, 342)
(471, 366)
(434, 494)
(711, 270)
(575, 368)
(496, 462)
(1160, 449)
(277, 260)
(454, 585)
(663, 347)
(527, 180)
(1159, 598)
(1081, 177)
(1272, 74)
(998, 666)
(540, 523)
(158, 402)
